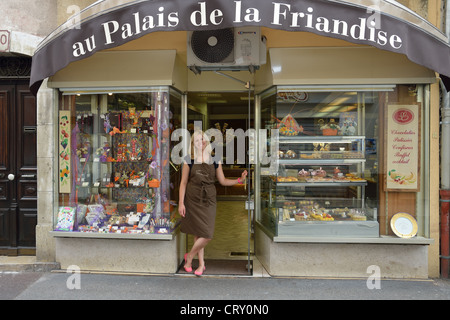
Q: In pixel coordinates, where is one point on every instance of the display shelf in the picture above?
(321, 184)
(318, 139)
(316, 162)
(320, 161)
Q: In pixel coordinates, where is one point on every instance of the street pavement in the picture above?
(89, 286)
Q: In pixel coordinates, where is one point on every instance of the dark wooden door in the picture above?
(18, 169)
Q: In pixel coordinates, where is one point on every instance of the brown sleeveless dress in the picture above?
(200, 201)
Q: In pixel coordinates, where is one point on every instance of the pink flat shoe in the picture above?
(187, 269)
(199, 273)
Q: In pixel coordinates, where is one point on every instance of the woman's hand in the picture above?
(243, 175)
(182, 210)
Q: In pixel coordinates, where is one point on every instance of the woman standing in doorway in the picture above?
(197, 204)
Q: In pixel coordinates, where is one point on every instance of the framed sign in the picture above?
(403, 148)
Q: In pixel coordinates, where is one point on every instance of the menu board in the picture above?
(403, 148)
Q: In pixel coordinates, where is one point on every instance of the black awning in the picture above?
(112, 23)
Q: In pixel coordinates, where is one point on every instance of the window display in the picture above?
(324, 180)
(115, 172)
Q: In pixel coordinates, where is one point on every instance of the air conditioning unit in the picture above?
(226, 49)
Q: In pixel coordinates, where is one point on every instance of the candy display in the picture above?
(66, 218)
(121, 170)
(115, 218)
(288, 126)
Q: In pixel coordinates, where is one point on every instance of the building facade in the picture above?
(344, 186)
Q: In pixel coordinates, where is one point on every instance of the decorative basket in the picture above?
(329, 132)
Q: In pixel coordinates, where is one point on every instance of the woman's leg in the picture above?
(201, 254)
(197, 249)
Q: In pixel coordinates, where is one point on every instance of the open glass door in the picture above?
(232, 114)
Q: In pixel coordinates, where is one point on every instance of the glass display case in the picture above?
(323, 180)
(114, 167)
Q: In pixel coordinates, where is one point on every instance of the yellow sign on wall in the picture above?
(403, 148)
(64, 152)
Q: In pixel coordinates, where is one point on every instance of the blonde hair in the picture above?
(192, 151)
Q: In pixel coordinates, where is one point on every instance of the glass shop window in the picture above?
(114, 171)
(347, 162)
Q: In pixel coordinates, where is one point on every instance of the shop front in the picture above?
(340, 136)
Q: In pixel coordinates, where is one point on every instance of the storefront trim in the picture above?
(123, 70)
(120, 254)
(344, 66)
(98, 29)
(342, 240)
(96, 235)
(395, 260)
(380, 240)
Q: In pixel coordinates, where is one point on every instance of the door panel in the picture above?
(26, 121)
(26, 167)
(6, 117)
(4, 136)
(26, 226)
(4, 227)
(18, 167)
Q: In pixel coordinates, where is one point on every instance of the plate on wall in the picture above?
(404, 225)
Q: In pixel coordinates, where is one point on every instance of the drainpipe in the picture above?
(445, 167)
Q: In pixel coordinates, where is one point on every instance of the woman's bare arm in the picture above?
(182, 191)
(228, 182)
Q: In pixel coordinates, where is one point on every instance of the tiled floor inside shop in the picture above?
(227, 253)
(231, 232)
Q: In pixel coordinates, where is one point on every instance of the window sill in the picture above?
(122, 236)
(390, 240)
(381, 240)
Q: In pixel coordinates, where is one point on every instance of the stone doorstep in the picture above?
(26, 264)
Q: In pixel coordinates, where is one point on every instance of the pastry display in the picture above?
(309, 210)
(357, 215)
(287, 179)
(289, 205)
(290, 154)
(303, 216)
(322, 216)
(353, 177)
(318, 191)
(303, 173)
(319, 173)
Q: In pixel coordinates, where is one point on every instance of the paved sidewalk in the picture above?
(24, 279)
(62, 286)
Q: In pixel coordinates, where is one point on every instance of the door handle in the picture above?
(11, 177)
